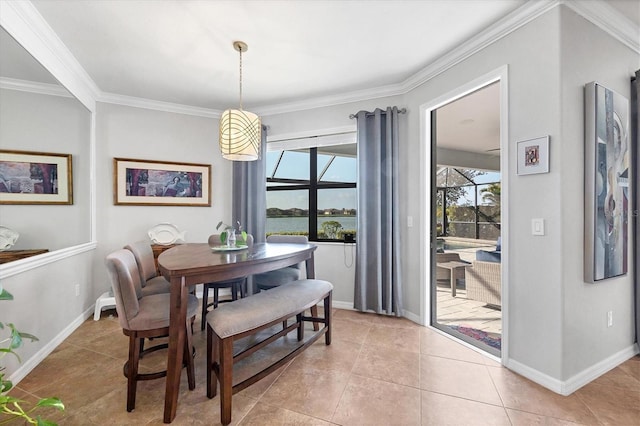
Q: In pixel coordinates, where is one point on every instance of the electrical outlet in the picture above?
(77, 290)
(610, 319)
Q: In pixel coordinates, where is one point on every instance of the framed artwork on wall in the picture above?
(533, 156)
(607, 178)
(161, 183)
(35, 178)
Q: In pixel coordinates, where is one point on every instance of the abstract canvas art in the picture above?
(607, 194)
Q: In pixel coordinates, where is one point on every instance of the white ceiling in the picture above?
(181, 51)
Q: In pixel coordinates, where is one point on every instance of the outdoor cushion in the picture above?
(488, 256)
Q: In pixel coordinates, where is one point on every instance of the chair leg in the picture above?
(212, 385)
(314, 313)
(132, 370)
(327, 318)
(205, 300)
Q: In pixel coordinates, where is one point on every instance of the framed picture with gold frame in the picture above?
(161, 183)
(35, 178)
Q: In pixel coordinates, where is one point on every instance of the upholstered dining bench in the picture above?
(248, 316)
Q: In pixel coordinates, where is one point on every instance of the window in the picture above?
(312, 191)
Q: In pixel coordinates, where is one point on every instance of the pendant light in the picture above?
(240, 130)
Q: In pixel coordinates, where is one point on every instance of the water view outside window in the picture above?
(322, 207)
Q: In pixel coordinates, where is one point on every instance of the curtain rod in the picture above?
(400, 111)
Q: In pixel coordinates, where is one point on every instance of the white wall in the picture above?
(127, 132)
(555, 321)
(586, 338)
(46, 123)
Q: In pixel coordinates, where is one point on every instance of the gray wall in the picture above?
(127, 132)
(47, 123)
(586, 337)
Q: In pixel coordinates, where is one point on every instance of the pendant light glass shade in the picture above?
(240, 131)
(240, 135)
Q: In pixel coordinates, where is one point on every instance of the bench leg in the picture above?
(226, 379)
(300, 327)
(327, 317)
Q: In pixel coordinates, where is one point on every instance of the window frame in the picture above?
(312, 186)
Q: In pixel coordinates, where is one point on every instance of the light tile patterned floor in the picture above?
(469, 313)
(377, 371)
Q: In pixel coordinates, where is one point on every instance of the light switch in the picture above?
(537, 226)
(409, 221)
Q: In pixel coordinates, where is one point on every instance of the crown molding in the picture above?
(132, 101)
(34, 87)
(598, 12)
(503, 27)
(608, 19)
(24, 23)
(330, 100)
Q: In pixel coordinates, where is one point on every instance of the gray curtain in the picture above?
(249, 200)
(378, 285)
(635, 155)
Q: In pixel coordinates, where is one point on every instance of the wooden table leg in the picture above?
(178, 318)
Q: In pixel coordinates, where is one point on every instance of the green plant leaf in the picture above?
(5, 386)
(43, 422)
(5, 295)
(51, 402)
(28, 336)
(244, 236)
(223, 237)
(16, 340)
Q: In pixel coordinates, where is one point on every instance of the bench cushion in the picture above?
(267, 306)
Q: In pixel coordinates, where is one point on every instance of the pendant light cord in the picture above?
(240, 50)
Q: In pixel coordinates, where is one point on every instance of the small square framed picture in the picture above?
(533, 156)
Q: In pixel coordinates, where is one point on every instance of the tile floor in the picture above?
(459, 310)
(377, 371)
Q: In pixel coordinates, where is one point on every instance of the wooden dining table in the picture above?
(186, 265)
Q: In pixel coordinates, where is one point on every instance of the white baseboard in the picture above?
(579, 380)
(46, 350)
(574, 383)
(412, 317)
(349, 307)
(342, 305)
(540, 378)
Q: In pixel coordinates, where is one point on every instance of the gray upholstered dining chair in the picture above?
(151, 282)
(144, 317)
(271, 279)
(237, 286)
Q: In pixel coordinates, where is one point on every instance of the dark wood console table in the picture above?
(11, 255)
